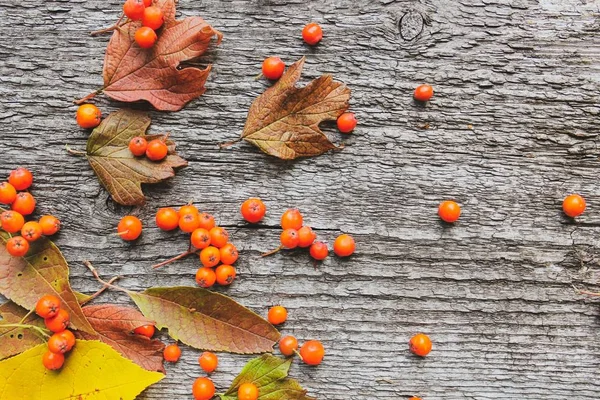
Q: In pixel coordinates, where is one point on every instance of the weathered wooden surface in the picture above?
(512, 130)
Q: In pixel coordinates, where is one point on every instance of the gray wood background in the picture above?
(513, 128)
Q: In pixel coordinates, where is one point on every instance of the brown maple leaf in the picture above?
(156, 75)
(119, 171)
(284, 120)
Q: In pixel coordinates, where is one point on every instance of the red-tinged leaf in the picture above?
(17, 340)
(156, 74)
(284, 120)
(42, 271)
(207, 320)
(115, 324)
(119, 171)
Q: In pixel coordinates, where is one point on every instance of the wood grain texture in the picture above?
(513, 128)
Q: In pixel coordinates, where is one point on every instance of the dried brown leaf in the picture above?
(17, 340)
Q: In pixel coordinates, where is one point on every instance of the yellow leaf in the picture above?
(92, 370)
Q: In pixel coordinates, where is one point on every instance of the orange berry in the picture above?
(157, 150)
(49, 224)
(573, 205)
(167, 219)
(423, 93)
(47, 306)
(319, 251)
(346, 122)
(415, 398)
(289, 238)
(134, 9)
(138, 144)
(129, 228)
(247, 391)
(145, 38)
(17, 246)
(218, 236)
(147, 3)
(58, 343)
(229, 254)
(59, 322)
(420, 344)
(312, 352)
(312, 33)
(31, 231)
(225, 274)
(449, 211)
(205, 277)
(153, 17)
(344, 245)
(272, 68)
(207, 221)
(277, 315)
(69, 337)
(203, 389)
(288, 345)
(11, 221)
(189, 222)
(24, 204)
(253, 210)
(53, 361)
(200, 238)
(210, 256)
(291, 219)
(188, 209)
(172, 353)
(21, 178)
(88, 116)
(208, 361)
(145, 330)
(8, 193)
(306, 236)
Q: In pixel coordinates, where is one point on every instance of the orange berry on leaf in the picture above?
(49, 224)
(167, 219)
(31, 231)
(208, 361)
(147, 3)
(53, 361)
(145, 38)
(58, 343)
(272, 68)
(8, 193)
(20, 178)
(423, 93)
(172, 353)
(47, 306)
(312, 33)
(312, 352)
(134, 9)
(88, 116)
(277, 315)
(573, 205)
(145, 330)
(420, 344)
(157, 149)
(449, 211)
(24, 204)
(153, 17)
(17, 246)
(344, 245)
(59, 322)
(138, 144)
(346, 122)
(288, 345)
(69, 337)
(225, 274)
(129, 228)
(253, 210)
(203, 389)
(247, 391)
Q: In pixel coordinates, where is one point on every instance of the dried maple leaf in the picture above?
(119, 171)
(115, 324)
(284, 120)
(156, 74)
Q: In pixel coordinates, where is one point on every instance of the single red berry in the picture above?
(53, 361)
(24, 204)
(31, 231)
(69, 337)
(8, 193)
(203, 389)
(210, 256)
(167, 219)
(147, 3)
(253, 210)
(189, 222)
(21, 178)
(312, 33)
(319, 251)
(200, 238)
(145, 330)
(420, 344)
(129, 228)
(291, 219)
(272, 68)
(289, 238)
(207, 221)
(247, 391)
(11, 221)
(423, 93)
(47, 306)
(205, 277)
(288, 345)
(346, 122)
(153, 17)
(59, 322)
(145, 38)
(277, 315)
(229, 254)
(208, 361)
(58, 343)
(17, 246)
(449, 211)
(157, 150)
(172, 353)
(218, 236)
(138, 145)
(88, 116)
(344, 245)
(49, 224)
(574, 205)
(225, 274)
(312, 352)
(306, 236)
(134, 9)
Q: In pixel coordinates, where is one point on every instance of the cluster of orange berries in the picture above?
(22, 204)
(155, 150)
(56, 320)
(152, 18)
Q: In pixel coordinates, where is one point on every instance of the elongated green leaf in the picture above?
(16, 340)
(207, 320)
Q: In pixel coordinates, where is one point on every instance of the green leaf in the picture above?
(42, 271)
(119, 171)
(269, 374)
(17, 340)
(92, 370)
(207, 320)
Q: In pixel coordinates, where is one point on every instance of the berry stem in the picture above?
(170, 260)
(107, 284)
(588, 293)
(271, 252)
(110, 28)
(299, 355)
(257, 77)
(75, 152)
(228, 144)
(42, 331)
(88, 97)
(26, 316)
(99, 292)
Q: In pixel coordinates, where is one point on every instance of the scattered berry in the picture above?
(8, 193)
(415, 398)
(272, 68)
(253, 210)
(11, 221)
(88, 116)
(47, 306)
(291, 219)
(134, 9)
(200, 238)
(31, 231)
(277, 315)
(21, 178)
(312, 33)
(189, 222)
(24, 204)
(17, 246)
(423, 93)
(207, 221)
(346, 122)
(208, 361)
(225, 274)
(218, 236)
(306, 236)
(58, 343)
(49, 224)
(205, 277)
(210, 256)
(145, 330)
(172, 353)
(167, 219)
(53, 361)
(319, 251)
(449, 211)
(289, 238)
(247, 391)
(420, 344)
(153, 17)
(344, 245)
(573, 205)
(145, 38)
(229, 254)
(129, 228)
(203, 389)
(157, 150)
(312, 352)
(138, 145)
(288, 345)
(69, 337)
(59, 322)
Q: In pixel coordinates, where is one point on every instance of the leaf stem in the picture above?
(100, 291)
(88, 97)
(75, 152)
(110, 28)
(269, 253)
(26, 326)
(26, 316)
(179, 257)
(228, 144)
(107, 284)
(588, 293)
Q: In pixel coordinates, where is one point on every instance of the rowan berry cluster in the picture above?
(57, 321)
(22, 204)
(155, 150)
(152, 18)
